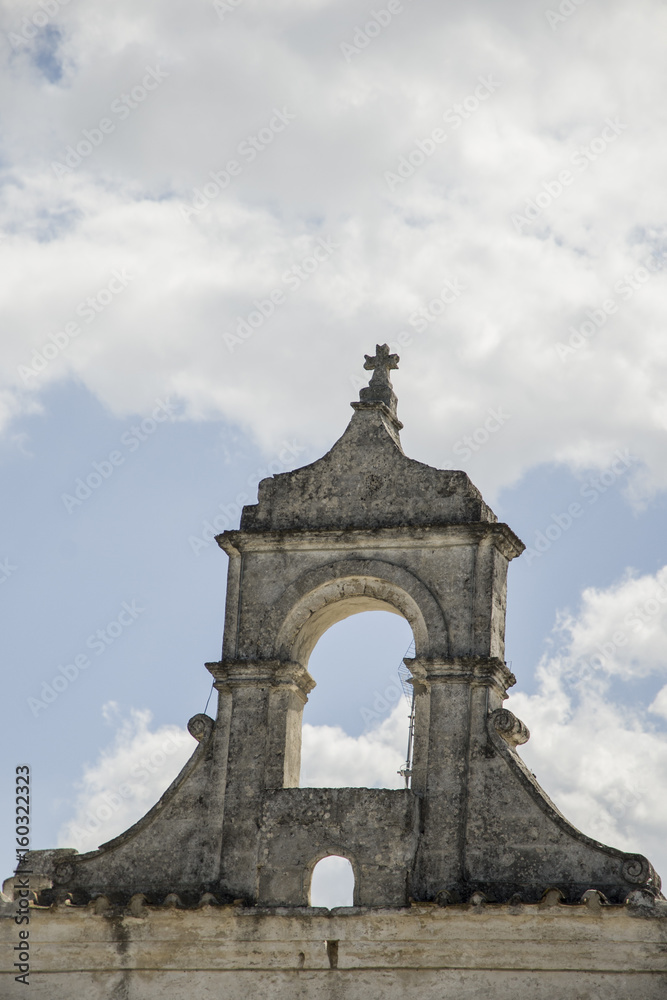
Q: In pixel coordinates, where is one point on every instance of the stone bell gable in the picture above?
(362, 528)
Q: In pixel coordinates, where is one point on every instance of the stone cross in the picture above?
(379, 389)
(381, 363)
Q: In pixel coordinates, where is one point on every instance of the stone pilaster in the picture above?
(453, 698)
(262, 702)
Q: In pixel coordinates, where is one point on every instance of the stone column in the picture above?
(452, 700)
(262, 702)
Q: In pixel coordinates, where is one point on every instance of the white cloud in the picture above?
(332, 759)
(126, 780)
(324, 174)
(594, 746)
(659, 704)
(619, 631)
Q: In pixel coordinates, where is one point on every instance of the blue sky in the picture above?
(207, 218)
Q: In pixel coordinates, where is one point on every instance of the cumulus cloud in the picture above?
(126, 780)
(330, 758)
(659, 705)
(541, 198)
(620, 630)
(598, 743)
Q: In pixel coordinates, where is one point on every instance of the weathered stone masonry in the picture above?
(362, 528)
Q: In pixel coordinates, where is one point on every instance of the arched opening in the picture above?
(356, 722)
(332, 883)
(335, 591)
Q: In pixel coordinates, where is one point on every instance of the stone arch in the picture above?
(310, 867)
(336, 590)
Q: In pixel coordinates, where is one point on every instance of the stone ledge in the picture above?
(437, 534)
(425, 937)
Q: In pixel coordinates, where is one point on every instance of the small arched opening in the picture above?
(332, 882)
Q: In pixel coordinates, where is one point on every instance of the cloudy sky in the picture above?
(209, 212)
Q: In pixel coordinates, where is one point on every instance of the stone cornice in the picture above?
(358, 539)
(230, 673)
(478, 671)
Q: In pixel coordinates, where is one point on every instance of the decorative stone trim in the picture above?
(434, 535)
(230, 673)
(478, 671)
(200, 727)
(512, 730)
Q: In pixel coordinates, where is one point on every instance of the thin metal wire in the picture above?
(209, 698)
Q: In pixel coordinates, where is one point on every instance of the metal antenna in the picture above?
(405, 676)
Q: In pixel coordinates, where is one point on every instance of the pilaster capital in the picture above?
(260, 673)
(477, 671)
